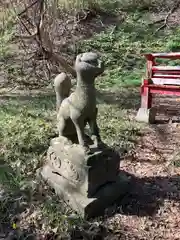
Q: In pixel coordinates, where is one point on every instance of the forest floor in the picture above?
(150, 210)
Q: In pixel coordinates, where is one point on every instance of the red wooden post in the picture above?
(150, 63)
(159, 79)
(146, 98)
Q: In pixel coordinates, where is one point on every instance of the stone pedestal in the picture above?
(146, 115)
(88, 183)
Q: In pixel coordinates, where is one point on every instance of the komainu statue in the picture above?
(79, 108)
(82, 170)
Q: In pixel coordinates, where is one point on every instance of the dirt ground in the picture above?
(151, 209)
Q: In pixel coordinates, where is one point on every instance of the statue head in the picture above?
(89, 65)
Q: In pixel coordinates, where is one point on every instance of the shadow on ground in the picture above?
(144, 199)
(148, 194)
(36, 105)
(124, 98)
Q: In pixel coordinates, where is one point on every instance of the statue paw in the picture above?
(100, 144)
(87, 150)
(97, 141)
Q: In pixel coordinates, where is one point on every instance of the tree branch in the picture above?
(167, 16)
(42, 38)
(25, 10)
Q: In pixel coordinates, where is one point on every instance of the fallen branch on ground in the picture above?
(28, 7)
(174, 8)
(155, 22)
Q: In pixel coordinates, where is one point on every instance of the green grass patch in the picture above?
(122, 48)
(113, 5)
(28, 123)
(26, 127)
(7, 29)
(25, 132)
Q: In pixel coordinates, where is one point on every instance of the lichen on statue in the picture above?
(77, 109)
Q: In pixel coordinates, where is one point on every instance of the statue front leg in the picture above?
(95, 136)
(79, 125)
(61, 126)
(80, 131)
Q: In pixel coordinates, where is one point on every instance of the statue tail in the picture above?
(62, 86)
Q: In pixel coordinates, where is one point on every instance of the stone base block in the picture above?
(89, 183)
(86, 207)
(146, 115)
